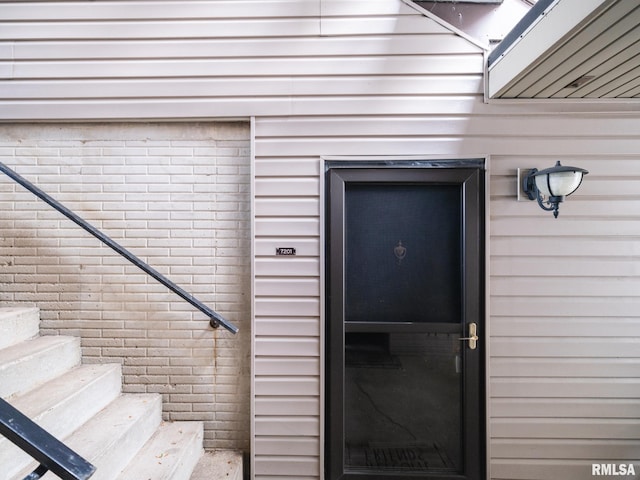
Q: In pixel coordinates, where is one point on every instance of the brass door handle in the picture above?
(473, 336)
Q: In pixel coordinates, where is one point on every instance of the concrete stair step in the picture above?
(219, 464)
(25, 365)
(82, 405)
(62, 405)
(171, 454)
(18, 324)
(113, 437)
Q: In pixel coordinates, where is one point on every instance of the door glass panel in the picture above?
(402, 403)
(403, 261)
(403, 314)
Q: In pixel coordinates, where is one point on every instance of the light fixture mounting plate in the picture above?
(521, 174)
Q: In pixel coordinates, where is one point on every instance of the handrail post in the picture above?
(37, 473)
(215, 319)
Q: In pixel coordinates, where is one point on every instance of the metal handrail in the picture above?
(215, 319)
(48, 451)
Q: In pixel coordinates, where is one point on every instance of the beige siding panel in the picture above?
(149, 88)
(565, 388)
(370, 126)
(287, 366)
(216, 87)
(282, 446)
(555, 306)
(287, 207)
(287, 266)
(293, 466)
(287, 386)
(287, 287)
(6, 51)
(604, 187)
(170, 29)
(167, 68)
(182, 106)
(293, 167)
(305, 406)
(562, 125)
(211, 48)
(574, 287)
(565, 367)
(558, 326)
(287, 227)
(281, 187)
(541, 469)
(587, 450)
(550, 247)
(564, 347)
(109, 10)
(510, 126)
(565, 408)
(287, 347)
(365, 145)
(436, 84)
(580, 206)
(376, 25)
(439, 145)
(287, 327)
(566, 428)
(614, 266)
(376, 105)
(291, 307)
(336, 8)
(96, 109)
(287, 426)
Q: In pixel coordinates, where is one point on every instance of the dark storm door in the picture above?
(405, 295)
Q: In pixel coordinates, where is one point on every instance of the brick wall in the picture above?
(176, 195)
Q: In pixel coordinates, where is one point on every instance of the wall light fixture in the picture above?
(554, 184)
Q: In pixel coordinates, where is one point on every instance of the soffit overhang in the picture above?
(570, 49)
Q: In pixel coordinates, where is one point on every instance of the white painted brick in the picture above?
(177, 195)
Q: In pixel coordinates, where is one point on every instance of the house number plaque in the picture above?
(287, 251)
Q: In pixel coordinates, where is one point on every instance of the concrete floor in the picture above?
(223, 464)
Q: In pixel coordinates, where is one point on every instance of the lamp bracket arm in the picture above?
(548, 206)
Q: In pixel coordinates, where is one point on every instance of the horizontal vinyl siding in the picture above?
(564, 362)
(222, 58)
(379, 62)
(366, 78)
(287, 349)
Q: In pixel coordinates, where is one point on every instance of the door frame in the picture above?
(404, 162)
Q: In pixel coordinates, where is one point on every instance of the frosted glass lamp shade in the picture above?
(553, 184)
(559, 181)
